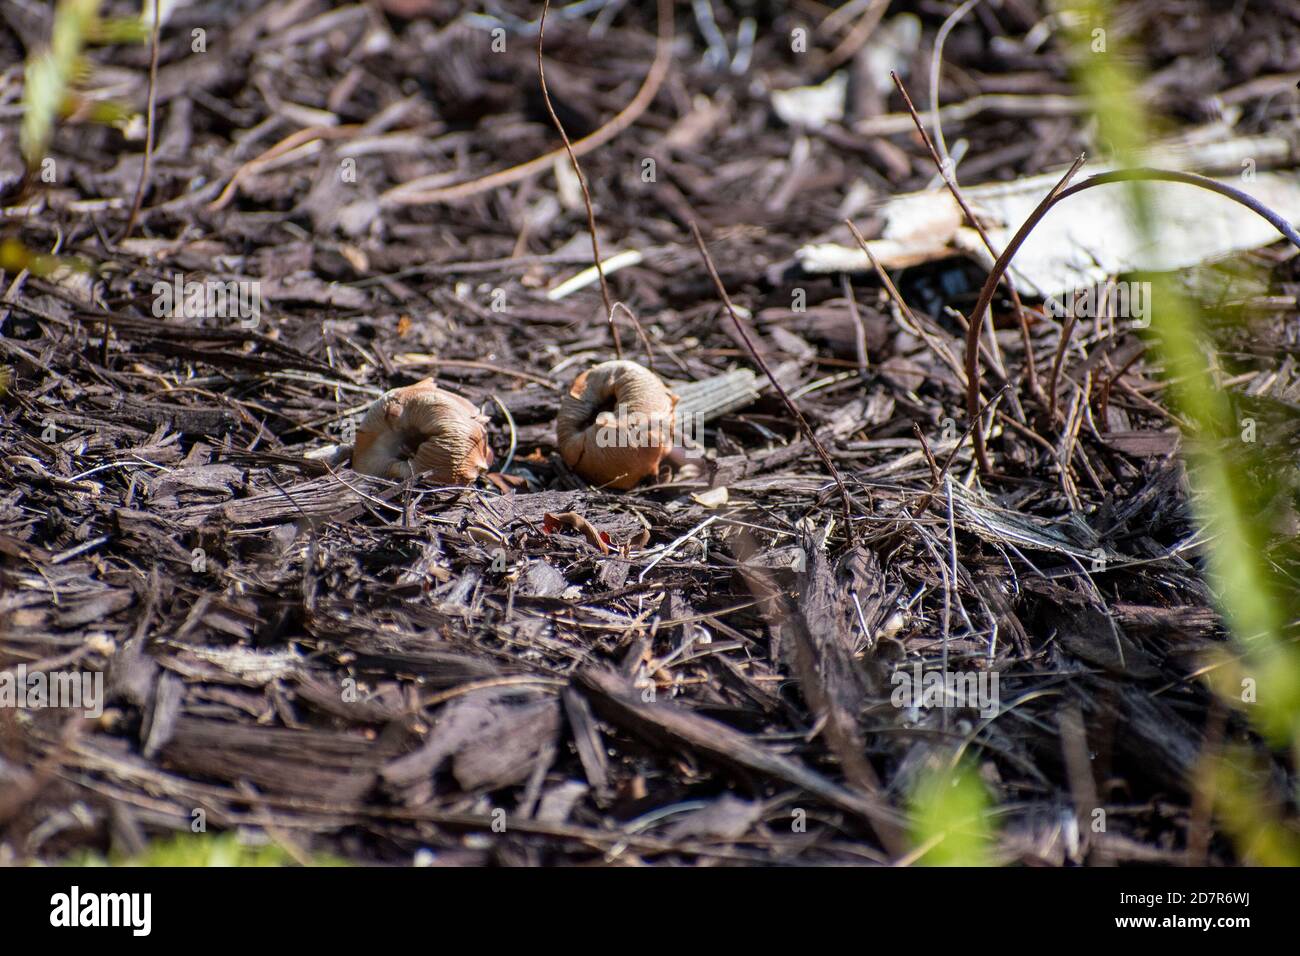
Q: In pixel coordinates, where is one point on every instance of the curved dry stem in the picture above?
(1190, 179)
(950, 180)
(582, 181)
(1055, 195)
(793, 409)
(138, 201)
(408, 195)
(936, 66)
(636, 324)
(299, 137)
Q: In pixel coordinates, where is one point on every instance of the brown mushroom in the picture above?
(423, 429)
(615, 425)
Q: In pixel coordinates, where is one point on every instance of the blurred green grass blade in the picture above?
(950, 822)
(1229, 475)
(119, 30)
(51, 73)
(203, 849)
(1250, 813)
(16, 257)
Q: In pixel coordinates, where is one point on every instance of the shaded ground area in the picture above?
(347, 666)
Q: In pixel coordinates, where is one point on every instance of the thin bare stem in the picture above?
(981, 306)
(1055, 195)
(945, 170)
(138, 201)
(920, 330)
(1278, 222)
(859, 330)
(412, 194)
(640, 332)
(1066, 331)
(582, 181)
(296, 139)
(936, 67)
(780, 390)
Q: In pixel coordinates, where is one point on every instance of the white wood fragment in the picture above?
(1086, 238)
(589, 275)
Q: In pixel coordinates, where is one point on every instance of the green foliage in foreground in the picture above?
(1260, 674)
(1250, 811)
(202, 849)
(51, 74)
(54, 82)
(950, 822)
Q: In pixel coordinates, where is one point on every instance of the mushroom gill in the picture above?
(615, 425)
(423, 429)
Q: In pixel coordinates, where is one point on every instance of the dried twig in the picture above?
(859, 329)
(936, 65)
(295, 139)
(937, 347)
(780, 389)
(138, 201)
(1055, 195)
(1066, 330)
(409, 194)
(582, 181)
(950, 180)
(857, 37)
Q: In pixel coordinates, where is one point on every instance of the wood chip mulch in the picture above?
(349, 666)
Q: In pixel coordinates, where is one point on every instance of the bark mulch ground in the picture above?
(350, 666)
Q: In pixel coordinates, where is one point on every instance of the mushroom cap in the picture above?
(423, 429)
(615, 425)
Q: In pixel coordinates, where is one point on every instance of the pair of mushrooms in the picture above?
(614, 428)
